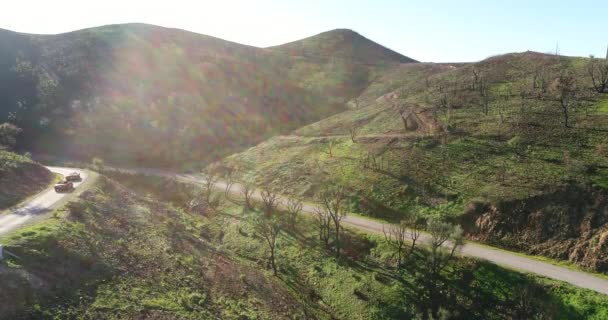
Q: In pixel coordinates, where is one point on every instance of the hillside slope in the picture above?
(116, 253)
(484, 144)
(20, 178)
(110, 91)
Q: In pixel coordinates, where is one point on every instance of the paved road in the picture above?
(500, 257)
(40, 204)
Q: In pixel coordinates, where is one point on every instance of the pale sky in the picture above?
(432, 30)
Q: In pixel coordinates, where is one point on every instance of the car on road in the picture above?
(64, 186)
(74, 176)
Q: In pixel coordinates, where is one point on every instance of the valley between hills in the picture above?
(326, 178)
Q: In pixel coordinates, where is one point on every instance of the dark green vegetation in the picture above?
(513, 148)
(140, 94)
(20, 177)
(118, 254)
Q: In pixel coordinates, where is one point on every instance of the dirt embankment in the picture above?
(569, 224)
(21, 181)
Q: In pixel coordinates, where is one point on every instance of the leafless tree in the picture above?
(332, 201)
(211, 179)
(598, 71)
(353, 132)
(247, 190)
(329, 148)
(415, 224)
(269, 201)
(480, 85)
(293, 210)
(446, 239)
(395, 236)
(269, 228)
(229, 179)
(566, 95)
(323, 224)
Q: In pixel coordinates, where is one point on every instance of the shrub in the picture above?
(97, 163)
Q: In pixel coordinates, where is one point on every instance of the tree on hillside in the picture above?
(353, 132)
(323, 221)
(229, 179)
(268, 227)
(247, 190)
(566, 94)
(211, 179)
(480, 85)
(8, 135)
(415, 223)
(329, 148)
(446, 240)
(292, 211)
(395, 236)
(598, 71)
(332, 201)
(269, 201)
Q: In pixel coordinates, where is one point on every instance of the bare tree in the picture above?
(415, 224)
(446, 239)
(323, 224)
(353, 132)
(269, 228)
(247, 190)
(329, 148)
(293, 210)
(269, 201)
(333, 204)
(209, 184)
(598, 71)
(566, 95)
(396, 237)
(229, 179)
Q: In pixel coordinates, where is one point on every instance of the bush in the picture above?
(193, 301)
(75, 209)
(97, 163)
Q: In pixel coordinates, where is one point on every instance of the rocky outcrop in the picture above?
(568, 224)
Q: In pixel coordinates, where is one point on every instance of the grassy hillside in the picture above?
(168, 263)
(109, 91)
(116, 255)
(482, 144)
(20, 178)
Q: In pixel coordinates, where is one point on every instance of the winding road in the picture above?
(44, 202)
(40, 204)
(498, 256)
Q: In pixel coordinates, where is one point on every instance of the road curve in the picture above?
(40, 204)
(471, 249)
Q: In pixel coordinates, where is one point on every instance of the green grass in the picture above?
(602, 106)
(363, 283)
(512, 158)
(116, 255)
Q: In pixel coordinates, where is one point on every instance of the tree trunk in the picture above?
(272, 262)
(337, 239)
(565, 113)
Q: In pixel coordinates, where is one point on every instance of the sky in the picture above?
(432, 30)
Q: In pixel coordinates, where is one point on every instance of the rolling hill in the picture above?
(488, 145)
(142, 94)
